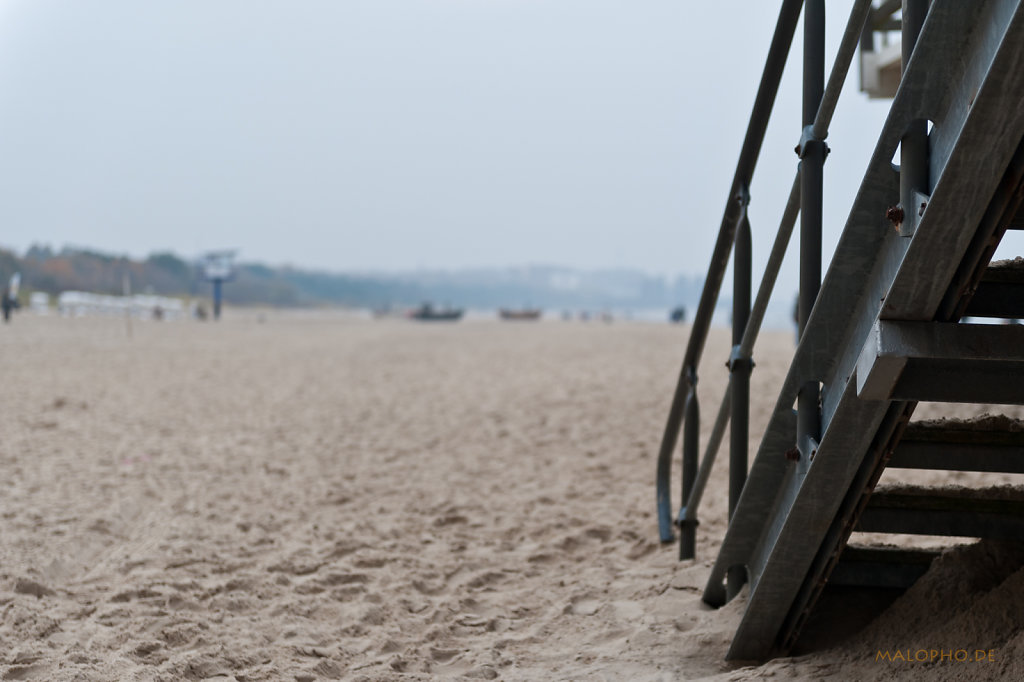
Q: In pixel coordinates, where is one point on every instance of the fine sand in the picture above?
(306, 497)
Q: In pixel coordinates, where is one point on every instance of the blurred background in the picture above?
(517, 146)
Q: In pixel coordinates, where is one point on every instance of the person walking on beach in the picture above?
(7, 303)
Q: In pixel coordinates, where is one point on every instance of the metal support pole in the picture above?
(771, 273)
(740, 367)
(914, 144)
(216, 298)
(691, 447)
(812, 160)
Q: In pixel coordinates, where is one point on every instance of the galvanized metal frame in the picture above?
(892, 435)
(740, 367)
(876, 272)
(942, 362)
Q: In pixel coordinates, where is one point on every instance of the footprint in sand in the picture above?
(583, 606)
(26, 586)
(450, 520)
(486, 579)
(335, 579)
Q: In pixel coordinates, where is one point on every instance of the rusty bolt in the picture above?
(924, 205)
(895, 215)
(793, 455)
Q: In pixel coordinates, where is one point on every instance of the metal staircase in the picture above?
(883, 332)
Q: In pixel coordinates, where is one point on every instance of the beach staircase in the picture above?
(894, 322)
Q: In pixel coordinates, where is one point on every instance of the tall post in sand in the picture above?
(218, 267)
(126, 289)
(812, 160)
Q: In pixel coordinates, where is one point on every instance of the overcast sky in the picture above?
(387, 134)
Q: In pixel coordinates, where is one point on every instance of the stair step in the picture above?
(994, 513)
(968, 363)
(1000, 293)
(989, 443)
(886, 567)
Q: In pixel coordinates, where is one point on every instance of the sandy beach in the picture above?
(317, 497)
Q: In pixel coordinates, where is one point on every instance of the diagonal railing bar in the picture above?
(695, 480)
(841, 68)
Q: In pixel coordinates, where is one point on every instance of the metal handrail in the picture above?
(789, 14)
(685, 397)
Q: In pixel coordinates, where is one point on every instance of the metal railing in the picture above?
(805, 198)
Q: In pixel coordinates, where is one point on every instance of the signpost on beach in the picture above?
(218, 267)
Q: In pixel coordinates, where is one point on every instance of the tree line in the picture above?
(168, 274)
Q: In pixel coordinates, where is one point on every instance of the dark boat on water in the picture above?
(429, 313)
(524, 314)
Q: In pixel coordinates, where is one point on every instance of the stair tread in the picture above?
(987, 429)
(881, 566)
(998, 293)
(1001, 269)
(887, 554)
(995, 500)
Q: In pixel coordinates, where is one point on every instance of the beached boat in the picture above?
(524, 314)
(429, 313)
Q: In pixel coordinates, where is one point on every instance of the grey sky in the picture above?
(382, 134)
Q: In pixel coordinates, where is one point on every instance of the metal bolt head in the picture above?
(895, 215)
